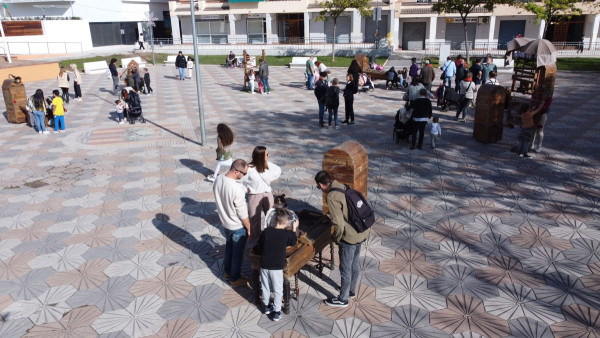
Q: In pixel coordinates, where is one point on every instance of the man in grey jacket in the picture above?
(348, 239)
(263, 72)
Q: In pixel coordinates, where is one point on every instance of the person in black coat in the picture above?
(181, 64)
(355, 70)
(320, 91)
(349, 92)
(147, 87)
(422, 112)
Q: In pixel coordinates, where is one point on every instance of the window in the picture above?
(256, 30)
(212, 32)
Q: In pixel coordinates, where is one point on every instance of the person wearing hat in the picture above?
(427, 75)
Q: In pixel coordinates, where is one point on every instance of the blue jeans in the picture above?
(448, 81)
(234, 252)
(181, 73)
(349, 268)
(59, 120)
(40, 120)
(311, 77)
(335, 117)
(321, 111)
(265, 82)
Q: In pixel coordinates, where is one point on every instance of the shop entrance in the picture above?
(290, 28)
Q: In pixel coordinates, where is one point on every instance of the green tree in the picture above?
(464, 8)
(332, 9)
(549, 10)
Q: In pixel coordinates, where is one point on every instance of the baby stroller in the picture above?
(447, 98)
(135, 108)
(364, 83)
(403, 125)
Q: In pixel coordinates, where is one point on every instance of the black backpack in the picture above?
(360, 214)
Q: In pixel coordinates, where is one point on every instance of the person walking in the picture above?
(320, 92)
(114, 75)
(181, 64)
(224, 154)
(422, 112)
(37, 105)
(449, 70)
(310, 72)
(190, 66)
(467, 92)
(580, 45)
(349, 92)
(76, 82)
(427, 75)
(230, 199)
(141, 41)
(347, 238)
(63, 83)
(257, 182)
(263, 72)
(414, 68)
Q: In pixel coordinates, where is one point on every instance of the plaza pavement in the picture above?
(111, 230)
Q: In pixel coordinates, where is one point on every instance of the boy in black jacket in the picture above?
(422, 112)
(320, 91)
(147, 87)
(271, 245)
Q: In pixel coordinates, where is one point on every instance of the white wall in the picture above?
(60, 36)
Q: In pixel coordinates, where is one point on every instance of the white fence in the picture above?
(28, 48)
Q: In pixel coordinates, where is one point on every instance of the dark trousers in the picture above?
(419, 127)
(148, 88)
(65, 94)
(349, 102)
(141, 45)
(77, 88)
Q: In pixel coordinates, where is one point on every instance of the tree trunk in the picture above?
(333, 42)
(546, 24)
(466, 40)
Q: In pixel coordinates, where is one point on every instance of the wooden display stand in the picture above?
(363, 62)
(489, 113)
(15, 100)
(347, 163)
(315, 234)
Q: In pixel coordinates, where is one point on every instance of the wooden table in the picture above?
(315, 234)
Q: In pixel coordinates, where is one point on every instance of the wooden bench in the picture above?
(126, 61)
(299, 61)
(97, 67)
(171, 60)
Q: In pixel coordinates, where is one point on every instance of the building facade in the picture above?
(411, 25)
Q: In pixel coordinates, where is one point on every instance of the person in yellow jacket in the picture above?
(347, 238)
(58, 110)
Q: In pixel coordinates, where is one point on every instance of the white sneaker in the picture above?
(121, 122)
(63, 131)
(210, 178)
(55, 132)
(39, 132)
(45, 132)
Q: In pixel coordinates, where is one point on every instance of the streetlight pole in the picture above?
(198, 81)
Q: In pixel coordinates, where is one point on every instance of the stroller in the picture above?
(403, 126)
(447, 98)
(365, 83)
(135, 108)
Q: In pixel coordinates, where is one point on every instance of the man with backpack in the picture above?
(345, 235)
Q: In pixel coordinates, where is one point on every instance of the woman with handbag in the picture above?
(257, 181)
(466, 89)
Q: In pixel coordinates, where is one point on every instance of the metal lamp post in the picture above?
(198, 80)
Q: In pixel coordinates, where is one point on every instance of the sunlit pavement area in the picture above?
(112, 230)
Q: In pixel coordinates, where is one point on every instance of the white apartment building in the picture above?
(412, 24)
(111, 22)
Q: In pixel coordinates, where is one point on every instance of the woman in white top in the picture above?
(76, 82)
(492, 79)
(257, 181)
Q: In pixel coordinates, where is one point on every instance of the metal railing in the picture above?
(29, 48)
(499, 49)
(254, 43)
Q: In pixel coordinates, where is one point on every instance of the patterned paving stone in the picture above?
(112, 231)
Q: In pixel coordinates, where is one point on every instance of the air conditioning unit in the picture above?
(483, 19)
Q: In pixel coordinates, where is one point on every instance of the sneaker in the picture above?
(351, 122)
(45, 132)
(264, 93)
(40, 132)
(352, 295)
(346, 122)
(335, 127)
(210, 178)
(55, 132)
(238, 282)
(63, 131)
(519, 155)
(267, 309)
(121, 122)
(322, 125)
(276, 316)
(270, 93)
(335, 301)
(538, 149)
(526, 155)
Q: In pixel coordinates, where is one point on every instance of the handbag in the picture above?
(443, 76)
(462, 97)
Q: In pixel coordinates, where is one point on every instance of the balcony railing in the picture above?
(499, 49)
(255, 43)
